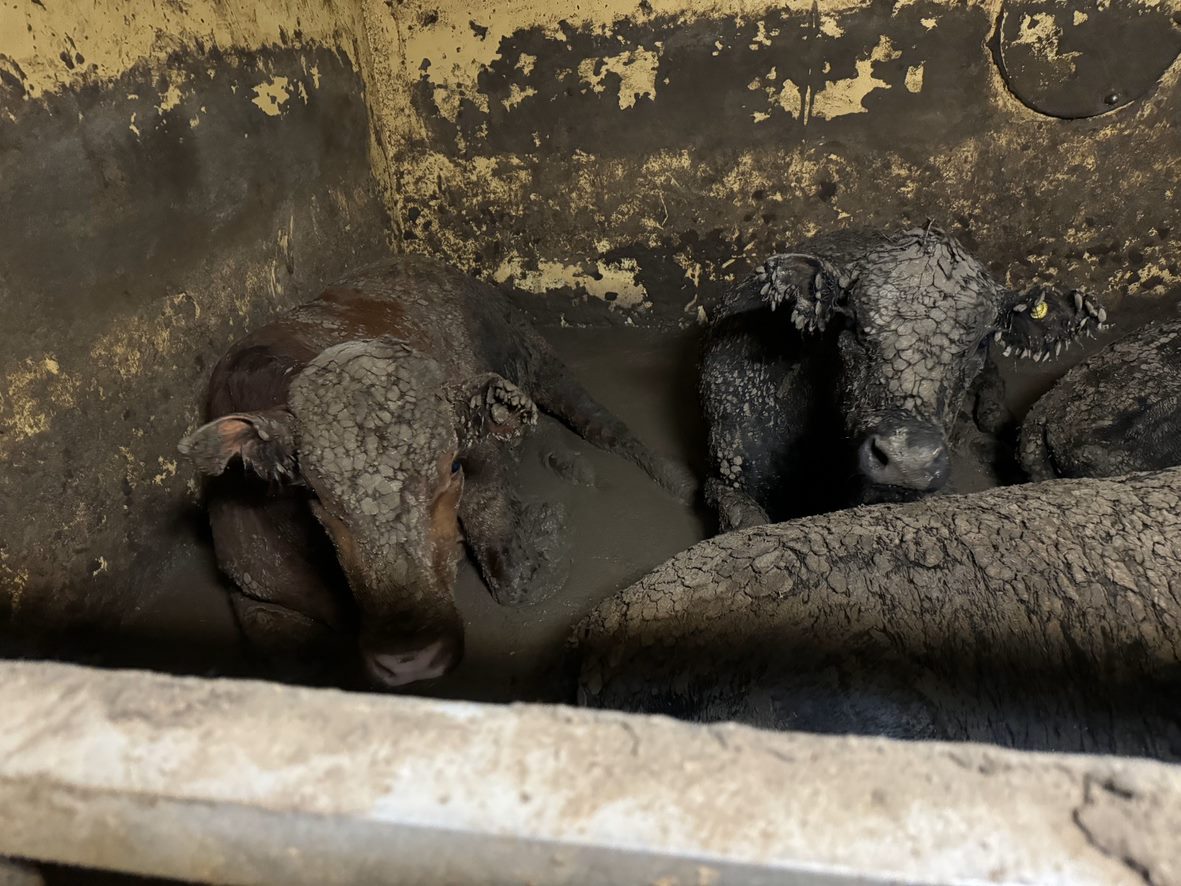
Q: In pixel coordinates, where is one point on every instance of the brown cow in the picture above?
(383, 417)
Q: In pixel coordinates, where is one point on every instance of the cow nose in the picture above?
(907, 454)
(411, 665)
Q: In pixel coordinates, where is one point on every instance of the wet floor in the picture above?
(618, 531)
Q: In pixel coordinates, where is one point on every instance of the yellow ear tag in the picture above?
(1040, 310)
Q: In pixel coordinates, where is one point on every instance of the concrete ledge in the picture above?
(244, 782)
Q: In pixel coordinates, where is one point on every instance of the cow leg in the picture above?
(735, 509)
(741, 480)
(987, 399)
(562, 459)
(755, 408)
(288, 595)
(517, 545)
(994, 443)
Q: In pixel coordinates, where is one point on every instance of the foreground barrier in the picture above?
(245, 782)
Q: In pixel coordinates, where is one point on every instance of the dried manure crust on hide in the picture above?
(1041, 616)
(370, 453)
(1117, 412)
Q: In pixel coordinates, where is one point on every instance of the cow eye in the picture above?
(455, 467)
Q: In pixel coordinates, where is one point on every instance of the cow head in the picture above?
(377, 433)
(914, 318)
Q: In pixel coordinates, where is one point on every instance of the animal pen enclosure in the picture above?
(174, 175)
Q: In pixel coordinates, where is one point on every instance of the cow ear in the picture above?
(1039, 323)
(491, 406)
(811, 287)
(264, 441)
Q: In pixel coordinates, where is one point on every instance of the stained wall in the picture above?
(640, 156)
(170, 174)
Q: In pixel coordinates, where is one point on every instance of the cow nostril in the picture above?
(911, 456)
(426, 662)
(877, 453)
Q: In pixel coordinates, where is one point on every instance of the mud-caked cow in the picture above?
(1116, 412)
(376, 429)
(835, 373)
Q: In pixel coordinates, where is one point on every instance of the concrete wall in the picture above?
(645, 154)
(170, 174)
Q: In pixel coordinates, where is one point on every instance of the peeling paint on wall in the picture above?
(1040, 30)
(57, 44)
(167, 470)
(14, 580)
(272, 95)
(847, 95)
(142, 341)
(33, 391)
(615, 283)
(542, 163)
(914, 78)
(169, 99)
(634, 69)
